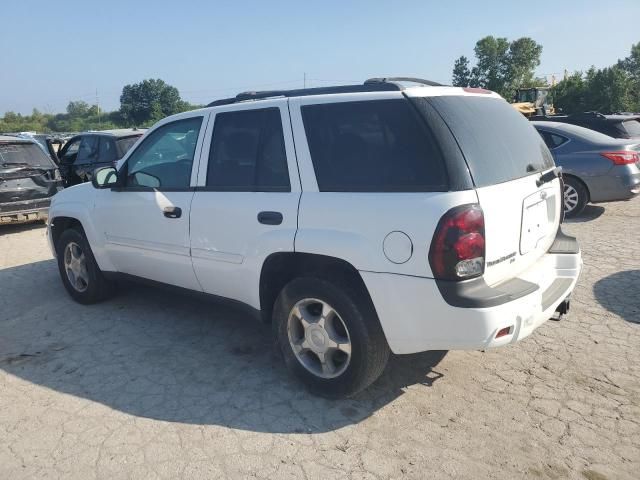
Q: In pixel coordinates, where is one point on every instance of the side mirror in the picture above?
(105, 177)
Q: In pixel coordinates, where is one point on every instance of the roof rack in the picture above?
(371, 85)
(399, 80)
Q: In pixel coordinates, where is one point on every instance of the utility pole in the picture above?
(98, 105)
(304, 80)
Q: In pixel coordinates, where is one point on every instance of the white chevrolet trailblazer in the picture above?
(394, 216)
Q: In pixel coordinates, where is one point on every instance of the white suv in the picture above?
(357, 219)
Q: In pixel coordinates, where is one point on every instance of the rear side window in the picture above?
(372, 146)
(498, 142)
(552, 140)
(247, 152)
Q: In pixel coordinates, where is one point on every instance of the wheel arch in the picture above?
(280, 268)
(579, 180)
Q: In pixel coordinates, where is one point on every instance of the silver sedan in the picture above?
(596, 168)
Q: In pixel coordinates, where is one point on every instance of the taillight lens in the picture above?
(458, 247)
(623, 157)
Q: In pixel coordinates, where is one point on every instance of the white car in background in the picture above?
(360, 220)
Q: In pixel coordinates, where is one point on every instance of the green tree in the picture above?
(569, 94)
(609, 90)
(77, 109)
(461, 72)
(149, 101)
(501, 66)
(491, 63)
(522, 60)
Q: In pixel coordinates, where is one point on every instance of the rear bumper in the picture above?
(24, 211)
(622, 183)
(416, 317)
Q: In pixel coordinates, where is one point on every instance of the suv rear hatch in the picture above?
(26, 173)
(506, 158)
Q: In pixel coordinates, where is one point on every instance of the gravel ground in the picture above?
(150, 385)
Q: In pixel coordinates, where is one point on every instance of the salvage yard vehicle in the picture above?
(616, 126)
(28, 180)
(88, 151)
(393, 216)
(595, 167)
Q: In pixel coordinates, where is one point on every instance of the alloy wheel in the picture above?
(75, 265)
(571, 198)
(319, 338)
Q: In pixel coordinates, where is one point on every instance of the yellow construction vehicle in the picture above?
(533, 101)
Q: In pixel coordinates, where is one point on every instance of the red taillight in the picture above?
(623, 157)
(457, 249)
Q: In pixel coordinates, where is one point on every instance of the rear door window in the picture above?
(107, 151)
(247, 152)
(498, 142)
(372, 146)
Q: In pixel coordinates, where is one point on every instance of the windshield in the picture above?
(124, 144)
(498, 142)
(631, 128)
(23, 154)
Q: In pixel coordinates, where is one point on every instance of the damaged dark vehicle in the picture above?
(28, 180)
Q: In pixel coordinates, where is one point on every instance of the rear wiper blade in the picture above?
(15, 164)
(549, 176)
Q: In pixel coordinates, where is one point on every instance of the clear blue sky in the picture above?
(53, 52)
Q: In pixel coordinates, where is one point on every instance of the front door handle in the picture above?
(270, 218)
(172, 212)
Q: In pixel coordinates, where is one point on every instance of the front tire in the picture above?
(79, 270)
(330, 337)
(575, 197)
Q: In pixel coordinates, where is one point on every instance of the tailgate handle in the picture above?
(549, 176)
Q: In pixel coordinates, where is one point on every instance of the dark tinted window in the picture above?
(107, 151)
(247, 152)
(631, 128)
(124, 144)
(498, 142)
(29, 154)
(88, 152)
(373, 146)
(164, 159)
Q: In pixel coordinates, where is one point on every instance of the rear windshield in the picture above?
(23, 154)
(124, 144)
(372, 146)
(498, 142)
(631, 128)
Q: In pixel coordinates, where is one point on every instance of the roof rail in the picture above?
(371, 85)
(399, 80)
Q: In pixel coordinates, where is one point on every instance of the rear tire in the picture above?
(79, 270)
(576, 197)
(342, 349)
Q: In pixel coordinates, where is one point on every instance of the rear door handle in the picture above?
(172, 212)
(270, 218)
